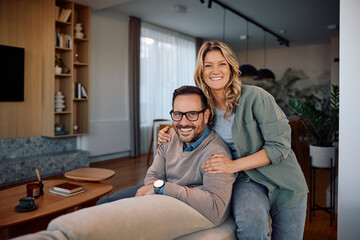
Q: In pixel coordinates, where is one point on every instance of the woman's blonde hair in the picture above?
(232, 90)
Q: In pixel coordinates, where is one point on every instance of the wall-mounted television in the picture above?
(12, 63)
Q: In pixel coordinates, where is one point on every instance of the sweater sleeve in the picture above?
(211, 199)
(275, 129)
(157, 169)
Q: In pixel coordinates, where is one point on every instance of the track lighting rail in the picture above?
(281, 40)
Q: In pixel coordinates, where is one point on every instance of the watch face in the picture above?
(158, 183)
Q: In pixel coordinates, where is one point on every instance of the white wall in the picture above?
(349, 158)
(109, 92)
(109, 67)
(314, 60)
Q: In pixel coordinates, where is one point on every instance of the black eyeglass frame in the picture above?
(185, 113)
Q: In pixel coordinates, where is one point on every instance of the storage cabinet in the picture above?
(72, 51)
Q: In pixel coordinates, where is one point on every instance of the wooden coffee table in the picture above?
(48, 203)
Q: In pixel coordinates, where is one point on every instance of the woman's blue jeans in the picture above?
(124, 193)
(251, 209)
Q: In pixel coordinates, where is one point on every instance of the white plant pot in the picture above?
(58, 70)
(321, 156)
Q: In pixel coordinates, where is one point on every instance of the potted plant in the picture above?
(58, 127)
(321, 124)
(60, 67)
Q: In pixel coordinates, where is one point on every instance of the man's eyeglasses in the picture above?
(192, 116)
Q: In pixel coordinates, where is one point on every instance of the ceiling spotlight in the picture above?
(282, 31)
(180, 8)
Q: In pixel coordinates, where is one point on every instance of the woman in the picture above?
(270, 181)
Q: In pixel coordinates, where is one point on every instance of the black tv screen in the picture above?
(12, 74)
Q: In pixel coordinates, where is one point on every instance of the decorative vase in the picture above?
(59, 102)
(58, 69)
(321, 156)
(75, 128)
(78, 30)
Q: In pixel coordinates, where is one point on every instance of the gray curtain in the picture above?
(134, 83)
(198, 42)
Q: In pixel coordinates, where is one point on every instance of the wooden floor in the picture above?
(131, 171)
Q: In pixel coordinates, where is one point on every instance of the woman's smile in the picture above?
(216, 78)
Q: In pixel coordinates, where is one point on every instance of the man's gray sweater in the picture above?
(187, 181)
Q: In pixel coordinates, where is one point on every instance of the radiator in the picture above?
(107, 137)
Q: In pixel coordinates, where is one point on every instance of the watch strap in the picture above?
(162, 189)
(156, 190)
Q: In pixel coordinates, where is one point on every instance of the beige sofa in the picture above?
(153, 217)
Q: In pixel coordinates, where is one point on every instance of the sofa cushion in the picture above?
(148, 217)
(225, 231)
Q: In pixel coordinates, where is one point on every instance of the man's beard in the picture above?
(195, 134)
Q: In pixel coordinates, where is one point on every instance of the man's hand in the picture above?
(145, 190)
(218, 163)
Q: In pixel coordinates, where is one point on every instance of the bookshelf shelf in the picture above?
(62, 49)
(63, 112)
(79, 64)
(62, 24)
(81, 39)
(61, 136)
(63, 75)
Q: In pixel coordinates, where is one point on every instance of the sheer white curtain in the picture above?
(167, 61)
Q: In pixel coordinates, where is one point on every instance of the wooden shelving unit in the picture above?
(74, 53)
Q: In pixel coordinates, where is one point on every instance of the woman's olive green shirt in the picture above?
(259, 123)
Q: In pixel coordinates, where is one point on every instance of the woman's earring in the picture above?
(202, 79)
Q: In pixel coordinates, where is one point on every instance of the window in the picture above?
(167, 61)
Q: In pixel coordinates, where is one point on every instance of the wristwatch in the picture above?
(158, 185)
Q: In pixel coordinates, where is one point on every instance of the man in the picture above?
(177, 168)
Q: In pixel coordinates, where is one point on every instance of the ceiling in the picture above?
(302, 22)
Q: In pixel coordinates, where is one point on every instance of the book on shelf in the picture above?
(68, 187)
(80, 92)
(68, 13)
(83, 93)
(59, 133)
(64, 15)
(77, 89)
(57, 12)
(64, 194)
(63, 40)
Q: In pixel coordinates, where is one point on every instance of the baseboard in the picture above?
(100, 158)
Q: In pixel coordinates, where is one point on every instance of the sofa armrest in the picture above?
(148, 217)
